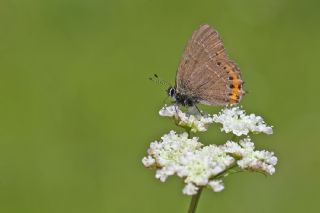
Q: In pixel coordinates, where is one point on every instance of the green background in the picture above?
(77, 112)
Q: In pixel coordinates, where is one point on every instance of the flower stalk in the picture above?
(194, 201)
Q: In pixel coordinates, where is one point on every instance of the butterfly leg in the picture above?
(199, 110)
(194, 110)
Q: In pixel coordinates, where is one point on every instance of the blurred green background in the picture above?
(77, 112)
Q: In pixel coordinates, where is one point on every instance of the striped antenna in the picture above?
(158, 80)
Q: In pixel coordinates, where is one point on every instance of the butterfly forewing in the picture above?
(205, 72)
(198, 49)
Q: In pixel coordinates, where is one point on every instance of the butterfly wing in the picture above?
(195, 51)
(205, 72)
(218, 84)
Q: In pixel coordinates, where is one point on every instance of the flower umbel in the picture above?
(166, 153)
(236, 121)
(250, 159)
(203, 166)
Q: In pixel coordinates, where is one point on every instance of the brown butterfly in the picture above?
(205, 74)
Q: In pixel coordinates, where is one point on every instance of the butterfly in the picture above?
(205, 73)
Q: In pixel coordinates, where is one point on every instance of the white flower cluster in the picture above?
(199, 165)
(196, 123)
(232, 119)
(249, 159)
(165, 154)
(236, 121)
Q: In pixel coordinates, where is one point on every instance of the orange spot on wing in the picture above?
(236, 85)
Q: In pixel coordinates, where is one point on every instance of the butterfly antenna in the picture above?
(158, 80)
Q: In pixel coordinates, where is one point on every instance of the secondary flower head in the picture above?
(236, 121)
(250, 159)
(199, 168)
(194, 123)
(165, 154)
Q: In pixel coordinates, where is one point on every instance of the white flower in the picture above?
(236, 121)
(190, 189)
(250, 159)
(196, 123)
(219, 156)
(166, 171)
(148, 161)
(169, 111)
(165, 154)
(216, 185)
(200, 166)
(233, 148)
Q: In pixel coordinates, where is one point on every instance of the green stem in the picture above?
(189, 132)
(194, 201)
(225, 171)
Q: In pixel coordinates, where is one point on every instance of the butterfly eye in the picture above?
(171, 91)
